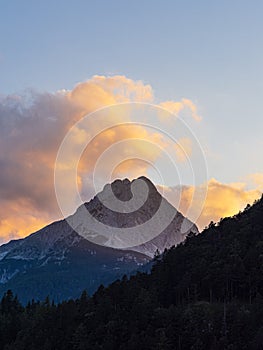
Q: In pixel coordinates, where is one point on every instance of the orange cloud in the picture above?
(31, 133)
(101, 91)
(20, 218)
(183, 149)
(256, 180)
(222, 200)
(175, 107)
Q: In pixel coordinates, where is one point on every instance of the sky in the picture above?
(200, 60)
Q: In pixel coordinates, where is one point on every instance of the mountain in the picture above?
(147, 221)
(58, 262)
(206, 293)
(70, 255)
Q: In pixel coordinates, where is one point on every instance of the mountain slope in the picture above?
(59, 261)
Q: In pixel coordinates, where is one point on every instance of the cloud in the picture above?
(103, 91)
(175, 107)
(255, 180)
(32, 127)
(19, 217)
(183, 149)
(222, 200)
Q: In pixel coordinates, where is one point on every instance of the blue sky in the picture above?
(208, 51)
(194, 48)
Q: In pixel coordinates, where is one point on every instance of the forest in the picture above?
(206, 293)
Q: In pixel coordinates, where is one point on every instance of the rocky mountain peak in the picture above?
(123, 189)
(133, 215)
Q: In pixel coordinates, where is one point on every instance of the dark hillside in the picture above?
(207, 293)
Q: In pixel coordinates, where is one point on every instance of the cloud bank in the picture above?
(223, 200)
(32, 127)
